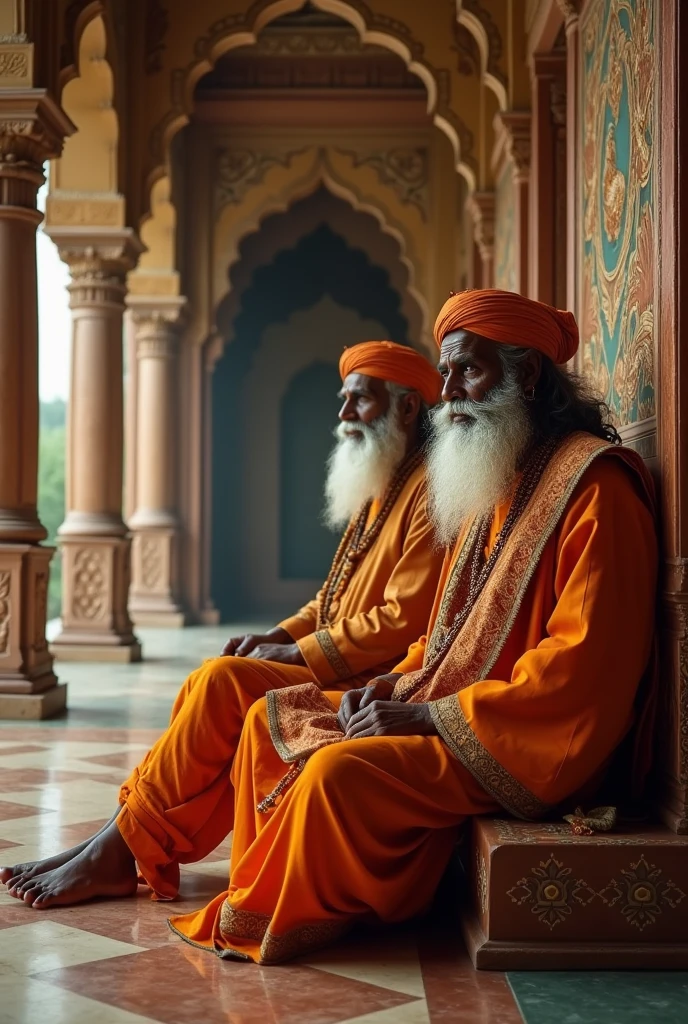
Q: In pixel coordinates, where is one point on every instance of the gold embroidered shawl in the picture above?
(302, 719)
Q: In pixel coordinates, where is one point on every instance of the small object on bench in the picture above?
(600, 819)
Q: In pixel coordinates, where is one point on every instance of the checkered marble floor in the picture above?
(117, 962)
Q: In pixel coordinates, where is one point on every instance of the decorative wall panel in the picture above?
(619, 252)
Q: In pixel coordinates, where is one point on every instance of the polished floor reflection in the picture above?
(117, 962)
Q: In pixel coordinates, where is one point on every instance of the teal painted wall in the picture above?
(618, 159)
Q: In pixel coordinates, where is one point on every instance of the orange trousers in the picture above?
(366, 831)
(178, 805)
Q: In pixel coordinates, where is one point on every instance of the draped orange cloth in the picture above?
(511, 319)
(385, 605)
(368, 827)
(399, 364)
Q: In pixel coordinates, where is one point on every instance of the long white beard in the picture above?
(472, 464)
(360, 469)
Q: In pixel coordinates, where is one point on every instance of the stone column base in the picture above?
(152, 600)
(28, 686)
(545, 899)
(34, 706)
(95, 586)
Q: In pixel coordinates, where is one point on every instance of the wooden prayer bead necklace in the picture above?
(292, 775)
(357, 541)
(481, 567)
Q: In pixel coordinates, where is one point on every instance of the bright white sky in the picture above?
(54, 319)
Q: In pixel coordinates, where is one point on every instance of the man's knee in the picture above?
(334, 767)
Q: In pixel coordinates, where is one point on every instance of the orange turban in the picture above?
(510, 319)
(397, 364)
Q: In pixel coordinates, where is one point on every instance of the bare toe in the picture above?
(8, 874)
(31, 894)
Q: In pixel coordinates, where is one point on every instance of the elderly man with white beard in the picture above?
(533, 682)
(532, 688)
(376, 599)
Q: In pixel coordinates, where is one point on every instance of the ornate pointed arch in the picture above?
(242, 29)
(284, 230)
(318, 171)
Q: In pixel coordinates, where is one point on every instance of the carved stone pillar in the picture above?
(547, 248)
(94, 539)
(482, 209)
(154, 599)
(570, 10)
(516, 127)
(32, 129)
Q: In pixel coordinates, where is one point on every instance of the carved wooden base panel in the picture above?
(545, 899)
(95, 622)
(28, 686)
(152, 599)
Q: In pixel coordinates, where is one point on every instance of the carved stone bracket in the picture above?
(516, 127)
(481, 206)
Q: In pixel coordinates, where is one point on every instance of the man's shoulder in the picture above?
(415, 488)
(613, 476)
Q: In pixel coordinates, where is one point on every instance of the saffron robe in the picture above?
(369, 825)
(386, 604)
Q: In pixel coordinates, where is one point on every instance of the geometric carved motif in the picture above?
(237, 170)
(551, 890)
(404, 168)
(5, 607)
(641, 895)
(89, 600)
(618, 173)
(151, 563)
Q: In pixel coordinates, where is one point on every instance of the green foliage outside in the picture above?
(51, 488)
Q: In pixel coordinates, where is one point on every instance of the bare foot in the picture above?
(105, 867)
(15, 876)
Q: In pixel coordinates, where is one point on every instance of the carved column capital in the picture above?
(32, 130)
(481, 206)
(158, 321)
(516, 127)
(99, 260)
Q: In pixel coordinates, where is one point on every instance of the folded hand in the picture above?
(391, 718)
(353, 701)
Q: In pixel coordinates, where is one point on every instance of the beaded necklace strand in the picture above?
(481, 567)
(357, 541)
(480, 572)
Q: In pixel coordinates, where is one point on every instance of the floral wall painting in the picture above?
(618, 250)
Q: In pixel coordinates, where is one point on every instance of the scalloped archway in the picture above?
(318, 172)
(237, 31)
(284, 229)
